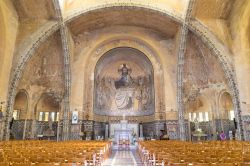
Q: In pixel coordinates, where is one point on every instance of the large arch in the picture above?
(20, 115)
(226, 112)
(8, 32)
(240, 32)
(24, 54)
(116, 42)
(175, 7)
(198, 29)
(221, 53)
(225, 105)
(200, 115)
(128, 73)
(45, 115)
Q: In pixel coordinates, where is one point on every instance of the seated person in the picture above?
(223, 136)
(164, 135)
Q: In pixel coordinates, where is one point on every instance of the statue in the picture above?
(49, 132)
(197, 126)
(198, 131)
(133, 134)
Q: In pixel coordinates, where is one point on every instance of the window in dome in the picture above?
(46, 116)
(40, 118)
(231, 115)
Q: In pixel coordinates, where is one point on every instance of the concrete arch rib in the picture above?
(30, 47)
(210, 40)
(2, 34)
(170, 14)
(223, 55)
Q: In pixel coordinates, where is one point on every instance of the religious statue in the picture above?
(197, 125)
(198, 131)
(133, 137)
(49, 132)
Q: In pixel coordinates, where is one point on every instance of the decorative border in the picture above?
(180, 70)
(246, 124)
(217, 48)
(39, 37)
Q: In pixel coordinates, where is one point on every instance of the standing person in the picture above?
(11, 123)
(234, 133)
(10, 127)
(1, 114)
(223, 136)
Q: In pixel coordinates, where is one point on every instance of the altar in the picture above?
(123, 131)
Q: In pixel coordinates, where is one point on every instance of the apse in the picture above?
(124, 84)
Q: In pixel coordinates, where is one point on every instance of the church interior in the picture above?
(125, 82)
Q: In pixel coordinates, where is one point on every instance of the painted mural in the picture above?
(123, 92)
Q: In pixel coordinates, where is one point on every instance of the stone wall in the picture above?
(99, 130)
(246, 124)
(42, 127)
(152, 129)
(75, 130)
(17, 129)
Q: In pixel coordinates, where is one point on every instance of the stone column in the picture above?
(106, 131)
(141, 130)
(1, 121)
(64, 31)
(180, 68)
(1, 128)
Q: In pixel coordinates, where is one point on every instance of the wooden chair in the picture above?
(70, 164)
(245, 164)
(45, 164)
(178, 164)
(201, 164)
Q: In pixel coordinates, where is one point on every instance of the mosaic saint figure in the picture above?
(125, 79)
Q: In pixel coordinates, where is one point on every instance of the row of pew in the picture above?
(50, 153)
(182, 153)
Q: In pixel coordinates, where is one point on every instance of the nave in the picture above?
(124, 158)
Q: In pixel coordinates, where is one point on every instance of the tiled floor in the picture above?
(124, 158)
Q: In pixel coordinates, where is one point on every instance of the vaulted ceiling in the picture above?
(26, 25)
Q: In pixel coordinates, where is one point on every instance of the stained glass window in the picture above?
(16, 114)
(40, 118)
(231, 115)
(200, 116)
(206, 116)
(46, 116)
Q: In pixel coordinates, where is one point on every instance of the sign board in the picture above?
(75, 117)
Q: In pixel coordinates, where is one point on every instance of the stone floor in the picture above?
(123, 157)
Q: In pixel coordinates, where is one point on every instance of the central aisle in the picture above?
(123, 157)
